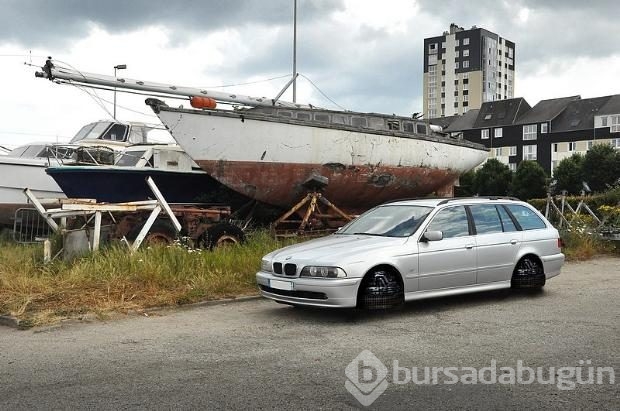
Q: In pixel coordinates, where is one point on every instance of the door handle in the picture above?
(469, 246)
(513, 242)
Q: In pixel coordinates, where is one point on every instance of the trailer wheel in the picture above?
(162, 232)
(222, 234)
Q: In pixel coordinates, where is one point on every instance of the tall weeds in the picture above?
(115, 280)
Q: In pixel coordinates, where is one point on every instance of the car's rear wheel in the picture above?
(381, 289)
(528, 274)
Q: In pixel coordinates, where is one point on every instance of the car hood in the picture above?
(336, 249)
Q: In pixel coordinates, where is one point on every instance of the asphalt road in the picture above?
(262, 355)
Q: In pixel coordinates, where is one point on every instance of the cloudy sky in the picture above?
(365, 55)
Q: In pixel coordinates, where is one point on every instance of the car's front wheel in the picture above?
(528, 273)
(381, 289)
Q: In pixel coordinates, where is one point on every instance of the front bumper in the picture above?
(340, 292)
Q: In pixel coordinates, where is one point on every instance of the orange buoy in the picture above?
(202, 102)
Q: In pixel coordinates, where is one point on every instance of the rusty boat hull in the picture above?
(269, 158)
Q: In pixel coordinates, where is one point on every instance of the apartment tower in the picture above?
(465, 68)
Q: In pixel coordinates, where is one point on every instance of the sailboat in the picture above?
(274, 151)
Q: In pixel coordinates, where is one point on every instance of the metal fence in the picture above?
(30, 227)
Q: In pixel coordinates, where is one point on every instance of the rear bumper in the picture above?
(552, 264)
(311, 292)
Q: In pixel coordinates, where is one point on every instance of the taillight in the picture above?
(560, 243)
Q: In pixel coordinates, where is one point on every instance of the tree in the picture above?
(601, 167)
(493, 178)
(530, 181)
(466, 185)
(569, 174)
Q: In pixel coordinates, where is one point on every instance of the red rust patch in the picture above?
(352, 189)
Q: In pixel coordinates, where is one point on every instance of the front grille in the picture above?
(311, 295)
(290, 269)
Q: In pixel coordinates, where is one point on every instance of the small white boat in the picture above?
(24, 167)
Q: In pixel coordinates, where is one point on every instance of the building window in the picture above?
(466, 64)
(572, 146)
(590, 144)
(513, 151)
(466, 41)
(484, 133)
(529, 132)
(512, 167)
(529, 152)
(498, 151)
(432, 59)
(456, 65)
(543, 127)
(466, 53)
(432, 48)
(465, 85)
(465, 97)
(555, 147)
(615, 143)
(456, 53)
(498, 132)
(615, 124)
(603, 121)
(457, 42)
(465, 76)
(432, 113)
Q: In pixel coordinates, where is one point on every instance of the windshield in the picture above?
(91, 131)
(388, 221)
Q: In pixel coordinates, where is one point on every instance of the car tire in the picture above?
(381, 289)
(528, 273)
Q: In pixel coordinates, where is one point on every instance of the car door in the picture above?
(451, 261)
(497, 242)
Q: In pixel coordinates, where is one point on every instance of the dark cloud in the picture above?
(40, 23)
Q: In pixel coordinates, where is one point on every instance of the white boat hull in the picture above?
(270, 160)
(16, 174)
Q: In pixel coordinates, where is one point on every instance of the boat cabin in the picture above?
(131, 133)
(162, 157)
(353, 119)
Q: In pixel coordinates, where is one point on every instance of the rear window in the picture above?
(527, 219)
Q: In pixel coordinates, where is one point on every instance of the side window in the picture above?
(506, 220)
(527, 219)
(451, 221)
(486, 219)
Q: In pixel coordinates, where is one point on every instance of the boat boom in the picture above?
(51, 72)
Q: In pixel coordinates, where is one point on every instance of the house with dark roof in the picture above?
(548, 132)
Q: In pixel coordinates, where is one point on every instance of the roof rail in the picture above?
(416, 198)
(479, 197)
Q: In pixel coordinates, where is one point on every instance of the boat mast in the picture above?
(295, 52)
(51, 72)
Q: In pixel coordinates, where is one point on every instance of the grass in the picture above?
(115, 281)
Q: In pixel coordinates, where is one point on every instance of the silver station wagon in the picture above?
(415, 249)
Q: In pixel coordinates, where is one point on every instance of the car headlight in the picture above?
(322, 272)
(265, 265)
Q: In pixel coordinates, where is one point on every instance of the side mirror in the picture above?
(432, 236)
